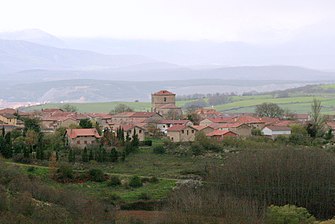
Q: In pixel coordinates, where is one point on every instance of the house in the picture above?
(164, 103)
(240, 129)
(254, 122)
(274, 131)
(204, 113)
(135, 117)
(131, 129)
(163, 125)
(181, 133)
(218, 120)
(8, 118)
(204, 129)
(301, 117)
(221, 134)
(50, 124)
(81, 138)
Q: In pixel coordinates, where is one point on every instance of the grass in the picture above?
(167, 168)
(156, 191)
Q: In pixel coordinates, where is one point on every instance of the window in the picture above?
(164, 99)
(140, 131)
(182, 131)
(85, 142)
(187, 132)
(78, 142)
(192, 131)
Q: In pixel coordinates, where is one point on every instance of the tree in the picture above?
(316, 125)
(31, 139)
(135, 142)
(71, 156)
(114, 155)
(84, 155)
(85, 123)
(288, 214)
(91, 155)
(31, 124)
(120, 108)
(69, 108)
(269, 110)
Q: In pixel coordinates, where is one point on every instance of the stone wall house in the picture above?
(221, 134)
(181, 133)
(8, 119)
(204, 129)
(241, 129)
(81, 138)
(131, 129)
(163, 125)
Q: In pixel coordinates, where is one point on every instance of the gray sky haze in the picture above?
(255, 21)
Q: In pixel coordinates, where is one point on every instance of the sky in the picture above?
(216, 20)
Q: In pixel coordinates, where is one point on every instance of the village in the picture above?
(157, 122)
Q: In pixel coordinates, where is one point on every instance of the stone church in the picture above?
(164, 103)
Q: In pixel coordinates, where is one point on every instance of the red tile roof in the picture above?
(220, 133)
(85, 132)
(164, 93)
(8, 111)
(130, 127)
(180, 122)
(221, 119)
(229, 125)
(201, 127)
(179, 128)
(248, 120)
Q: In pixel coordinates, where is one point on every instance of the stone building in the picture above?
(81, 138)
(164, 103)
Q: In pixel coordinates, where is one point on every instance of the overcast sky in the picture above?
(218, 20)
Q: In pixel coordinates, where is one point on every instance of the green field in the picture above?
(297, 101)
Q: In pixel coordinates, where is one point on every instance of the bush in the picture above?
(159, 149)
(135, 182)
(288, 214)
(144, 196)
(114, 181)
(97, 175)
(153, 179)
(31, 169)
(65, 172)
(147, 142)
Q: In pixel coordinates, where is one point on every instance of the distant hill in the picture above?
(106, 90)
(17, 55)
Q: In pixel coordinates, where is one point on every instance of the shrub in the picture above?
(114, 181)
(144, 196)
(288, 214)
(135, 182)
(31, 169)
(159, 149)
(114, 197)
(97, 175)
(65, 172)
(147, 142)
(153, 179)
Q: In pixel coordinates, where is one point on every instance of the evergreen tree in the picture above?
(114, 155)
(3, 131)
(71, 156)
(135, 141)
(91, 155)
(84, 156)
(104, 154)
